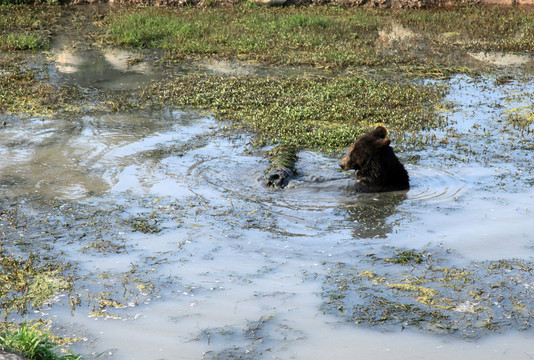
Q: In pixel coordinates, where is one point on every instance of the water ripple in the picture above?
(433, 184)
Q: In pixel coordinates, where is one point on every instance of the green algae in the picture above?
(284, 156)
(407, 256)
(146, 225)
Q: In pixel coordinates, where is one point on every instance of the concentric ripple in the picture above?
(433, 184)
(318, 186)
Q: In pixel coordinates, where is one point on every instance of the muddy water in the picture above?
(227, 268)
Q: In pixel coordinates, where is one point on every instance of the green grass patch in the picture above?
(290, 36)
(326, 113)
(150, 28)
(325, 36)
(21, 41)
(33, 343)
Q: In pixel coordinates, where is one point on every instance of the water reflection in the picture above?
(72, 158)
(68, 62)
(395, 33)
(502, 59)
(106, 69)
(374, 215)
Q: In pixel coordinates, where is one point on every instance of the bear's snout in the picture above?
(343, 163)
(349, 164)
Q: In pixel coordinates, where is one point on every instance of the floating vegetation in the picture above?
(147, 225)
(250, 342)
(407, 256)
(104, 246)
(325, 113)
(428, 293)
(29, 283)
(30, 93)
(22, 93)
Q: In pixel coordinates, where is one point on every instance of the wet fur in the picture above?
(377, 167)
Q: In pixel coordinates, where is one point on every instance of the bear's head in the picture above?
(365, 149)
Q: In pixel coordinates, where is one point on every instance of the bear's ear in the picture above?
(380, 132)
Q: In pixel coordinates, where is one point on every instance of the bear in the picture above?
(377, 167)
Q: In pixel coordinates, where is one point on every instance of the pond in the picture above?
(182, 252)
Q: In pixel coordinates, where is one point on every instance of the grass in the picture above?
(285, 36)
(23, 41)
(24, 18)
(320, 36)
(147, 29)
(33, 344)
(23, 28)
(477, 27)
(325, 113)
(326, 36)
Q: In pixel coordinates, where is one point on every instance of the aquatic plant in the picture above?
(325, 113)
(30, 282)
(427, 292)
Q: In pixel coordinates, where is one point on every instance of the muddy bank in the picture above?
(384, 4)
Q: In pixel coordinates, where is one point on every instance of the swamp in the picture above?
(136, 221)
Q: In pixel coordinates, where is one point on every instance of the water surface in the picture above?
(233, 269)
